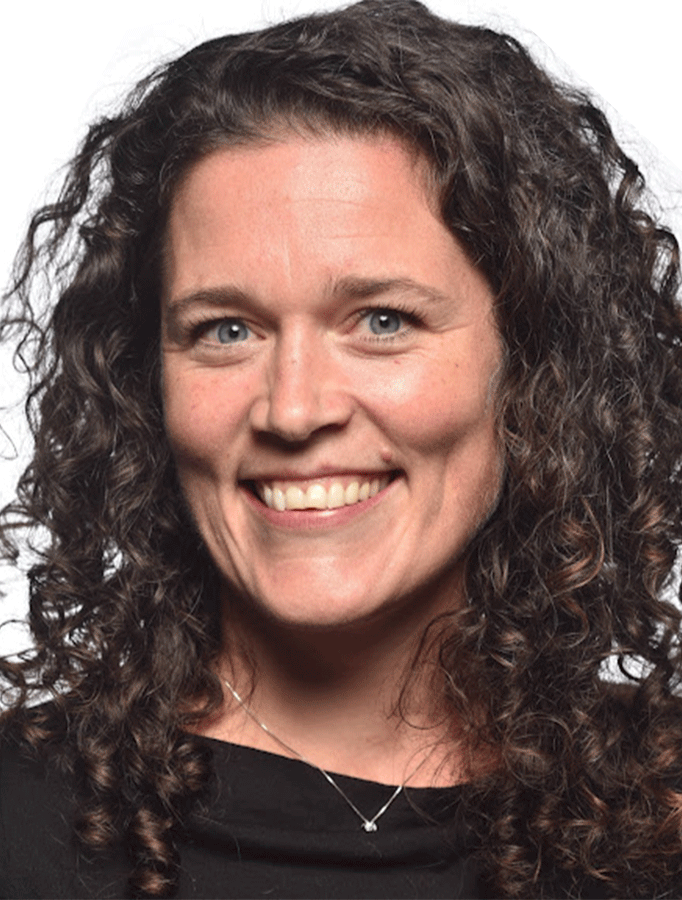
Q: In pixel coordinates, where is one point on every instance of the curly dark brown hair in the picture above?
(572, 570)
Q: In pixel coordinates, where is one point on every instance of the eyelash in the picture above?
(410, 317)
(200, 327)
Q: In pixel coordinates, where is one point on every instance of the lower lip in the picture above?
(316, 519)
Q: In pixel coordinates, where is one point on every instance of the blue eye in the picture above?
(231, 331)
(385, 321)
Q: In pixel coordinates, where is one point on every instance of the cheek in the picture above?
(432, 409)
(442, 421)
(201, 422)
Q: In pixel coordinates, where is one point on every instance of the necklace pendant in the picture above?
(370, 826)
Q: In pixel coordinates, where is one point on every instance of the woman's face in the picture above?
(329, 366)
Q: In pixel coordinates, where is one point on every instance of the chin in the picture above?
(306, 605)
(320, 612)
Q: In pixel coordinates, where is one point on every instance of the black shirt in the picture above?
(273, 827)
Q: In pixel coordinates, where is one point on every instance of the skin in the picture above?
(278, 257)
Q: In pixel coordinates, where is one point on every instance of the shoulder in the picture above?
(39, 856)
(35, 807)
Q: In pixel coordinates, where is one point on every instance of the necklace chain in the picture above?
(369, 825)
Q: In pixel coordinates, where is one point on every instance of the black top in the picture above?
(273, 828)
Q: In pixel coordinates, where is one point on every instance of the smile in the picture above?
(330, 494)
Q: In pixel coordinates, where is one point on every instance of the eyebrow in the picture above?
(353, 287)
(349, 287)
(222, 296)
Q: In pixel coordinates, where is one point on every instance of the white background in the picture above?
(64, 63)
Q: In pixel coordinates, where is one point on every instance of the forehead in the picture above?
(353, 199)
(290, 163)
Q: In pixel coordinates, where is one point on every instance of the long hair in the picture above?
(571, 570)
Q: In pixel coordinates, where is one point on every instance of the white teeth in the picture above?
(336, 496)
(279, 501)
(319, 497)
(316, 497)
(295, 498)
(352, 493)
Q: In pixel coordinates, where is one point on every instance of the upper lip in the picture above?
(318, 473)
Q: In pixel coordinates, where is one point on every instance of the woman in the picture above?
(358, 426)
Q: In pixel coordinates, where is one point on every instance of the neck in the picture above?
(344, 698)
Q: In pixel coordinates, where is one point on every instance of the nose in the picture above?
(305, 389)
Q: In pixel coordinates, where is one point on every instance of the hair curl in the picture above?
(571, 570)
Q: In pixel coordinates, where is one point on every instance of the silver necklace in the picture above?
(368, 824)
